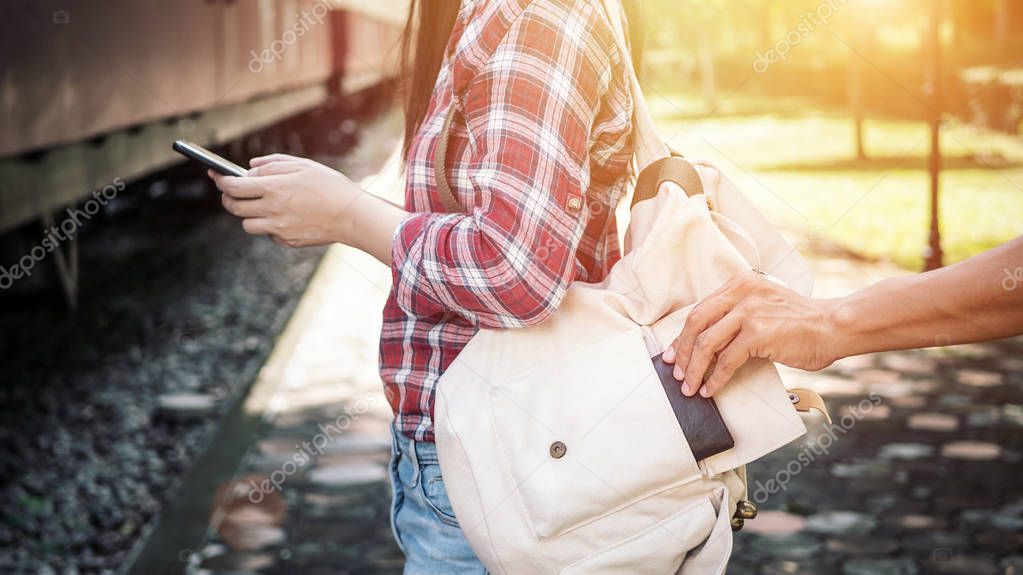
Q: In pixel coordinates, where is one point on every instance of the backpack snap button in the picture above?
(558, 450)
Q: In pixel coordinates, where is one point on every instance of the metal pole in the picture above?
(855, 79)
(933, 252)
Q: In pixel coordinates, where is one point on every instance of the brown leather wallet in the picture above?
(698, 416)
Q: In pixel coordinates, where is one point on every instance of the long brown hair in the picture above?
(426, 36)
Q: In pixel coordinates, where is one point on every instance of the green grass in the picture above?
(798, 164)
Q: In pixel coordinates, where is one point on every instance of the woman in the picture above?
(538, 157)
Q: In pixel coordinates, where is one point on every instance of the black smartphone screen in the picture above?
(208, 158)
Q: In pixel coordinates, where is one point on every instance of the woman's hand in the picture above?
(750, 316)
(295, 201)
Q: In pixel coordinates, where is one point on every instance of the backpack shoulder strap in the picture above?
(674, 169)
(440, 155)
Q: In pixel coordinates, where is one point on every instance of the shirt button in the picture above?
(574, 204)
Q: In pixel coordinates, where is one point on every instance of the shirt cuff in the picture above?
(414, 292)
(405, 237)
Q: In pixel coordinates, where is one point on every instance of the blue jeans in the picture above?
(424, 524)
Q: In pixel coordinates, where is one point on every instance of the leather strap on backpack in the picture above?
(674, 169)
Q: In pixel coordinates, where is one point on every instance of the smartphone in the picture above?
(208, 158)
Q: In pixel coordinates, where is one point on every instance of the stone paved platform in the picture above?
(919, 473)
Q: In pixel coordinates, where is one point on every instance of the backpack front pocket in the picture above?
(589, 434)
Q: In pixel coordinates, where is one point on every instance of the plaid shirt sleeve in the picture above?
(529, 111)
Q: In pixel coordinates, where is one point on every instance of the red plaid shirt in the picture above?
(538, 159)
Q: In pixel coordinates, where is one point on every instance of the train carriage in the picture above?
(89, 95)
